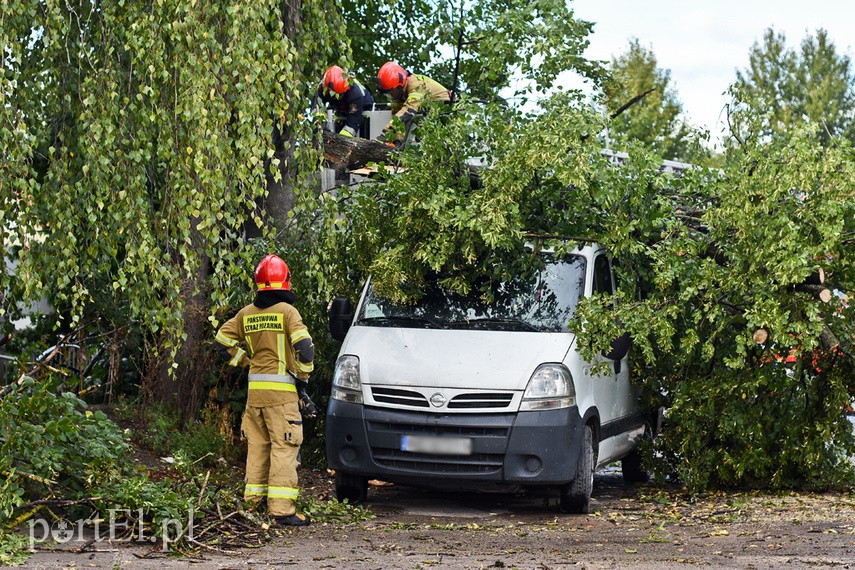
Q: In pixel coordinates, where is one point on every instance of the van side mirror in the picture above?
(620, 346)
(341, 316)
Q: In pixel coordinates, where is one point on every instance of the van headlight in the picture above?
(346, 384)
(550, 387)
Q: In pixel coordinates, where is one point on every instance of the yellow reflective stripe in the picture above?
(273, 285)
(304, 333)
(237, 357)
(416, 97)
(282, 492)
(253, 490)
(284, 378)
(303, 367)
(223, 339)
(278, 386)
(281, 354)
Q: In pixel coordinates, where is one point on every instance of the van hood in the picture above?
(442, 358)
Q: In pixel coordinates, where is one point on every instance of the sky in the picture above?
(704, 43)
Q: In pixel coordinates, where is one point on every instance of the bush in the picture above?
(53, 448)
(198, 442)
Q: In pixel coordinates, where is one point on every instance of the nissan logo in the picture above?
(437, 400)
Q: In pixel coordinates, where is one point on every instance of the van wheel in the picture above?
(632, 465)
(354, 488)
(576, 495)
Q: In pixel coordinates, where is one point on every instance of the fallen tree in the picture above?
(720, 272)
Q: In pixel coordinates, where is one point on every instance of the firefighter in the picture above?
(270, 336)
(408, 92)
(346, 97)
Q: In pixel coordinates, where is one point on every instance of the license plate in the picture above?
(436, 445)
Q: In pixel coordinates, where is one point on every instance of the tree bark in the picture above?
(828, 340)
(818, 291)
(351, 153)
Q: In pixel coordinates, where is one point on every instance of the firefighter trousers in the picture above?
(273, 435)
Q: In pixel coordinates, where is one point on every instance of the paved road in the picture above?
(640, 527)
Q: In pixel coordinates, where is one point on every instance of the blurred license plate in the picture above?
(436, 445)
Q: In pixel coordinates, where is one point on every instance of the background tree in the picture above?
(791, 87)
(140, 143)
(380, 31)
(478, 48)
(646, 107)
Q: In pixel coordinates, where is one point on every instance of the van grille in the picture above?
(481, 400)
(477, 463)
(468, 401)
(399, 397)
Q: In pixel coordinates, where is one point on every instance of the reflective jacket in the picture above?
(277, 346)
(419, 89)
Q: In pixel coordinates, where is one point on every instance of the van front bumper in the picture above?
(523, 448)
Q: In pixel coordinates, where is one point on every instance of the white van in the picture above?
(451, 393)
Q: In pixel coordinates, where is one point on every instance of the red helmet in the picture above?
(391, 75)
(272, 274)
(335, 79)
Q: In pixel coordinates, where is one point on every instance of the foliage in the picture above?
(327, 511)
(13, 548)
(52, 446)
(198, 443)
(380, 31)
(152, 152)
(790, 87)
(656, 119)
(477, 48)
(768, 426)
(56, 453)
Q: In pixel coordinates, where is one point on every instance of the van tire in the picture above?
(576, 495)
(354, 488)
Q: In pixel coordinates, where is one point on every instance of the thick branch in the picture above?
(828, 340)
(350, 153)
(817, 291)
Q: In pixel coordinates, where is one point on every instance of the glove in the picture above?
(382, 139)
(307, 407)
(347, 132)
(408, 117)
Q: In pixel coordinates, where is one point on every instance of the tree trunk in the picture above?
(181, 388)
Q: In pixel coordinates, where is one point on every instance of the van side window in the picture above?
(602, 275)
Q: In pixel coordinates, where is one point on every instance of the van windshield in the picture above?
(542, 300)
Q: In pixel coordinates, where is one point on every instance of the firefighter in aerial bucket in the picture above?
(270, 336)
(341, 93)
(408, 93)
